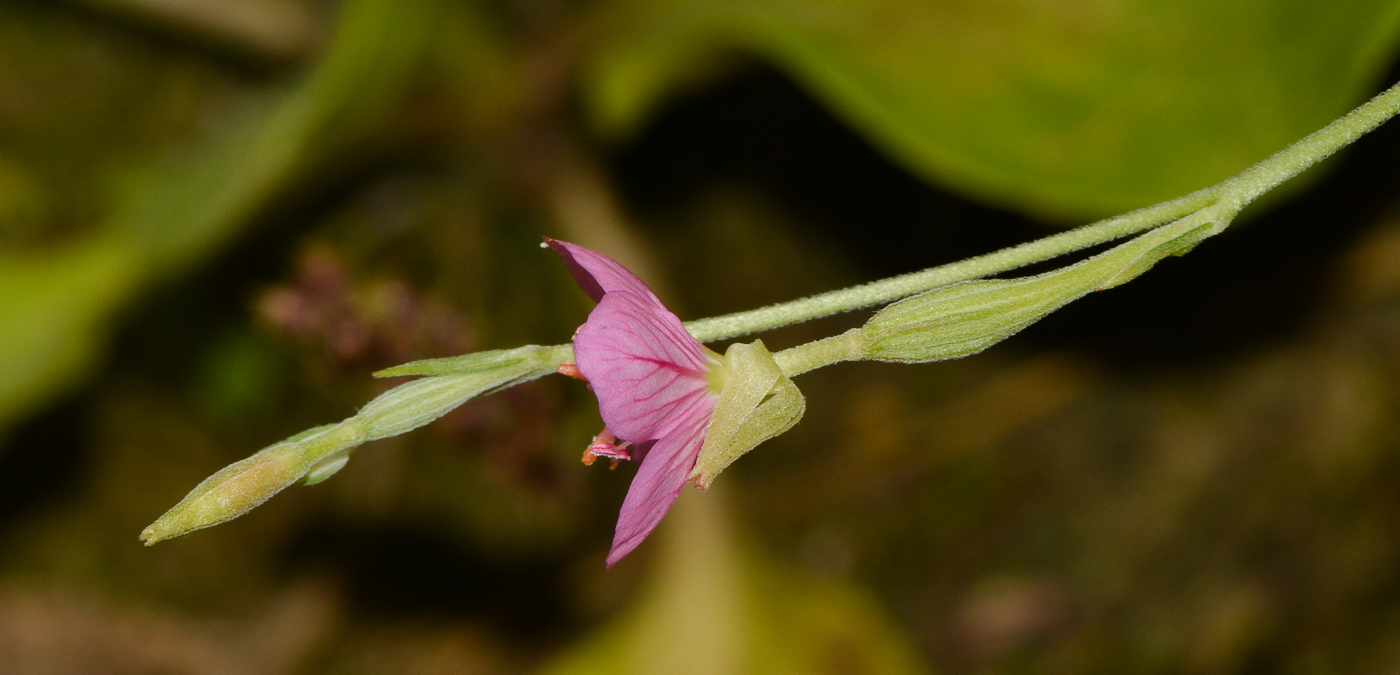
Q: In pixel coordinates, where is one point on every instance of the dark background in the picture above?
(1191, 473)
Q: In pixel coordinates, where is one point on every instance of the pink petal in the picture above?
(660, 478)
(598, 274)
(643, 366)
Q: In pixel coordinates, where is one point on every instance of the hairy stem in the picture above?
(1236, 192)
(1313, 148)
(895, 288)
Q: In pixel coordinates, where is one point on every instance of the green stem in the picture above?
(1234, 193)
(824, 352)
(1230, 196)
(895, 288)
(1313, 148)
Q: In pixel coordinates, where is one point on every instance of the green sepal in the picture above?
(326, 468)
(1168, 245)
(414, 404)
(757, 403)
(482, 361)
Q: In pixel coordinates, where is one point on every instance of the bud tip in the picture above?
(149, 536)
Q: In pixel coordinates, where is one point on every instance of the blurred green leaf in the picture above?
(267, 30)
(237, 378)
(710, 608)
(179, 213)
(51, 315)
(22, 202)
(1066, 109)
(55, 309)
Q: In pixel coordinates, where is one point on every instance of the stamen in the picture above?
(604, 445)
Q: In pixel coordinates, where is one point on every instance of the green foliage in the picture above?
(711, 607)
(22, 202)
(56, 307)
(1067, 109)
(52, 318)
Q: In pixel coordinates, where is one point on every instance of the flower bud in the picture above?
(757, 403)
(409, 406)
(238, 487)
(317, 454)
(963, 319)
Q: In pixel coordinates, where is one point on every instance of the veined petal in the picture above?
(598, 274)
(651, 378)
(643, 366)
(660, 478)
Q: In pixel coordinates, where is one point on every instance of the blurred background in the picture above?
(218, 217)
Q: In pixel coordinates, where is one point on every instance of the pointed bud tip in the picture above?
(149, 536)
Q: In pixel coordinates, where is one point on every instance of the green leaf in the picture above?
(1062, 108)
(55, 310)
(53, 313)
(710, 607)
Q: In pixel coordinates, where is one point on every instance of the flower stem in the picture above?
(1313, 148)
(895, 288)
(824, 352)
(1233, 193)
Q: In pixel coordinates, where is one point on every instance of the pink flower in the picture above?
(654, 386)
